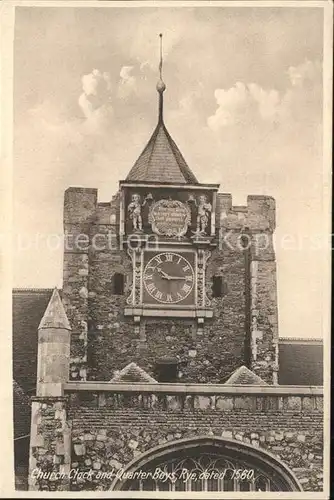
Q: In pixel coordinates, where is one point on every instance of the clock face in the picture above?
(169, 278)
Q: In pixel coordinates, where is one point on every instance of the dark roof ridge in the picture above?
(301, 339)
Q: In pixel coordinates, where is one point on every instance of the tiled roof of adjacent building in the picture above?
(29, 306)
(300, 362)
(21, 411)
(161, 161)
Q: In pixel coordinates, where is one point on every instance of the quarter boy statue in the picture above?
(134, 209)
(204, 208)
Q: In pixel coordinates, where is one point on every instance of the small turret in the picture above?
(53, 349)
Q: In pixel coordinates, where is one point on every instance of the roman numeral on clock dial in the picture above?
(151, 287)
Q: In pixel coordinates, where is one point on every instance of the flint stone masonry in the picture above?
(79, 215)
(132, 424)
(50, 444)
(264, 329)
(104, 340)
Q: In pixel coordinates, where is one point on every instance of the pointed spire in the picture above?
(55, 315)
(161, 87)
(161, 160)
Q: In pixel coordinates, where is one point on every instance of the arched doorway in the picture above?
(206, 464)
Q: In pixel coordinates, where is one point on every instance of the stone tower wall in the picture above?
(243, 329)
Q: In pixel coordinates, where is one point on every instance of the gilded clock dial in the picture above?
(169, 277)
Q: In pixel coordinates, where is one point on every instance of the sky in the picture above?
(243, 103)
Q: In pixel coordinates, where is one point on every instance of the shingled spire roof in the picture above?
(161, 159)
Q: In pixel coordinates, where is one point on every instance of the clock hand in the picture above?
(164, 275)
(177, 277)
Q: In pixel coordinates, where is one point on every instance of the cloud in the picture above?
(95, 100)
(302, 102)
(128, 82)
(243, 104)
(125, 74)
(306, 73)
(188, 103)
(250, 104)
(267, 101)
(70, 145)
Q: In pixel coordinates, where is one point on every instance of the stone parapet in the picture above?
(265, 390)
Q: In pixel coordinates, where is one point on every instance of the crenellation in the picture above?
(79, 205)
(262, 211)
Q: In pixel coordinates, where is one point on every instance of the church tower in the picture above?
(170, 275)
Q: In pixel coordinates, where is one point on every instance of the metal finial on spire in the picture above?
(161, 87)
(160, 65)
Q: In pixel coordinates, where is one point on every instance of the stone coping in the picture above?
(167, 184)
(300, 340)
(267, 390)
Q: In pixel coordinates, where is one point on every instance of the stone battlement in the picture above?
(81, 206)
(258, 215)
